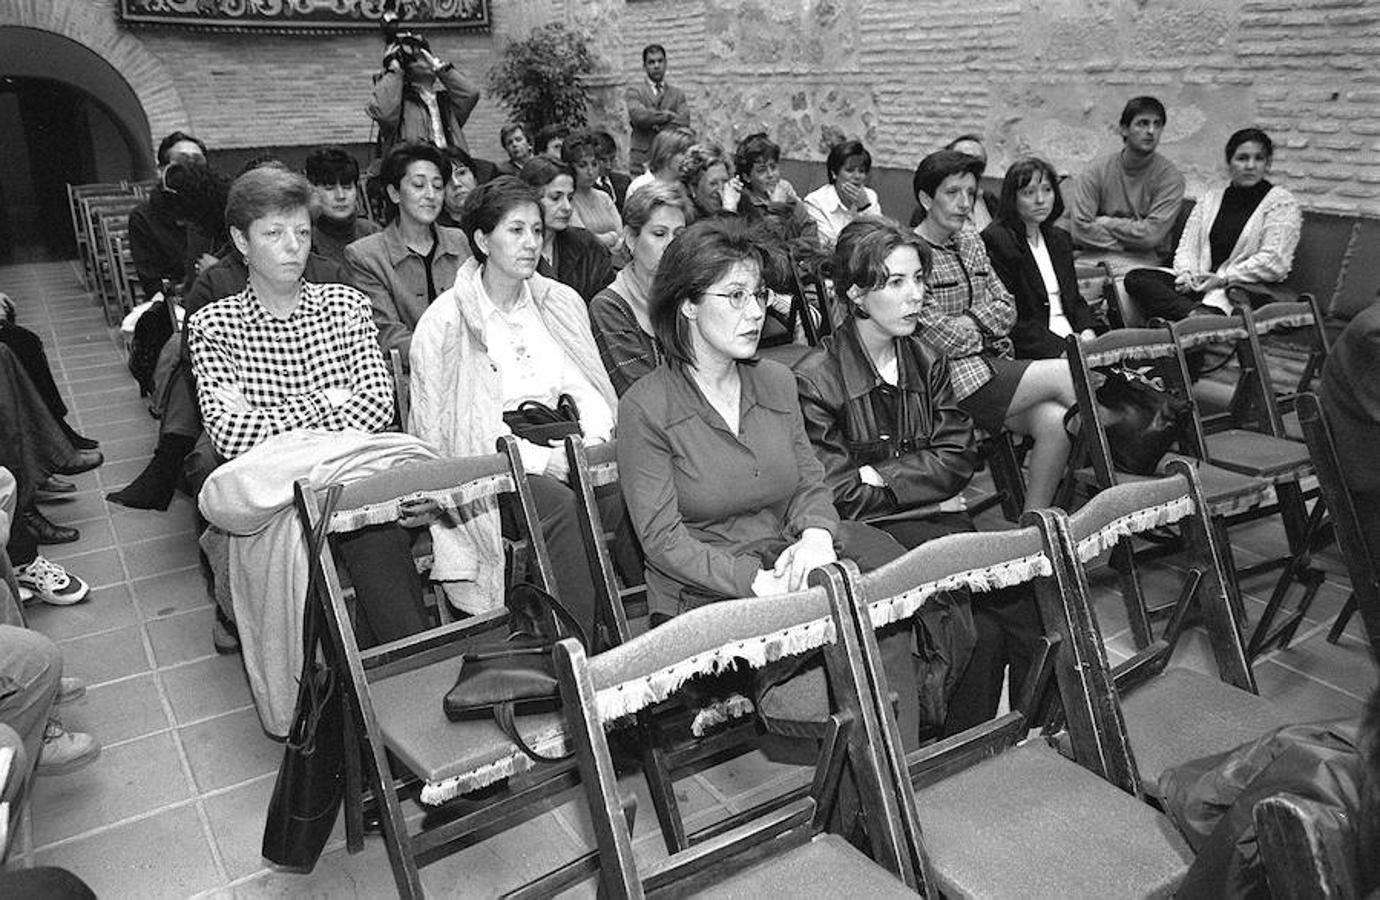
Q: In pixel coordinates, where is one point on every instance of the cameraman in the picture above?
(419, 97)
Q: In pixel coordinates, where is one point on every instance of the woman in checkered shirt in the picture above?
(967, 315)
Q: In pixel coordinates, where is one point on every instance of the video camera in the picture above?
(409, 45)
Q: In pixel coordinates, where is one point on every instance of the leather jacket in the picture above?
(927, 455)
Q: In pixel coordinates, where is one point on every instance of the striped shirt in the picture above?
(967, 312)
(283, 367)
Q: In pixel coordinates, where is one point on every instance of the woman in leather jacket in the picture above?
(897, 451)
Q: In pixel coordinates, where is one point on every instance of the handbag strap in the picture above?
(563, 615)
(505, 715)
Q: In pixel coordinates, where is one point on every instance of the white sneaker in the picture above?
(65, 751)
(51, 583)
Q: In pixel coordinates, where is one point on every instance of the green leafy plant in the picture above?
(540, 79)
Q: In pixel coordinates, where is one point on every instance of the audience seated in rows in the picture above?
(336, 222)
(984, 203)
(611, 179)
(462, 177)
(967, 315)
(551, 139)
(504, 335)
(764, 196)
(1033, 257)
(570, 254)
(1243, 233)
(620, 314)
(412, 260)
(591, 208)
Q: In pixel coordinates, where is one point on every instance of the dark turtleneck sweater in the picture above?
(329, 237)
(1238, 204)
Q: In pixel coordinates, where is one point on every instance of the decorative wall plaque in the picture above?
(302, 15)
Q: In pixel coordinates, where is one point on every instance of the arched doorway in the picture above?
(68, 116)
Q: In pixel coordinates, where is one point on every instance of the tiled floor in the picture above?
(174, 806)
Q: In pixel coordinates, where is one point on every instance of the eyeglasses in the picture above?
(738, 299)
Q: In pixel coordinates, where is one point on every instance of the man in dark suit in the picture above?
(610, 181)
(652, 106)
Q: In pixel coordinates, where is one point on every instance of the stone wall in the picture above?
(1034, 76)
(1038, 76)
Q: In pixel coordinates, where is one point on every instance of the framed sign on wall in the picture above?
(303, 15)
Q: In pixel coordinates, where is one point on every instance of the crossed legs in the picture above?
(1037, 409)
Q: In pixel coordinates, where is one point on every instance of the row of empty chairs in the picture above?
(100, 224)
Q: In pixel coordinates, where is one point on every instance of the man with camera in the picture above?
(158, 226)
(419, 97)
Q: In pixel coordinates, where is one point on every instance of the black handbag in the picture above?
(1142, 417)
(519, 672)
(538, 423)
(311, 778)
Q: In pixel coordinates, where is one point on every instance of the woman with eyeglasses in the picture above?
(723, 488)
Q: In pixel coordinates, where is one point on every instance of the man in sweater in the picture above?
(652, 106)
(1122, 208)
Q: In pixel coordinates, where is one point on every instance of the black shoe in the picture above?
(45, 532)
(85, 461)
(80, 441)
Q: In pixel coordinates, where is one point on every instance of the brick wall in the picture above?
(1034, 76)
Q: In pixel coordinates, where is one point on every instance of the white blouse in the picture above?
(1058, 321)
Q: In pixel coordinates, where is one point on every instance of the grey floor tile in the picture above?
(165, 855)
(83, 506)
(115, 431)
(138, 447)
(160, 555)
(338, 874)
(207, 687)
(98, 568)
(172, 592)
(129, 779)
(1346, 665)
(105, 657)
(1309, 700)
(237, 821)
(135, 410)
(229, 749)
(96, 534)
(104, 609)
(118, 711)
(136, 525)
(182, 637)
(115, 475)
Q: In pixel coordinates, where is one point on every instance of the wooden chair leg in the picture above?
(663, 793)
(1334, 634)
(1137, 613)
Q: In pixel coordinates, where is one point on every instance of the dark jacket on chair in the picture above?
(926, 455)
(1014, 263)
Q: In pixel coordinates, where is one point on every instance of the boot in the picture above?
(155, 486)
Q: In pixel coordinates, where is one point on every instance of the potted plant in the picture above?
(540, 80)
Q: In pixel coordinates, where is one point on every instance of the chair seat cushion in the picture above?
(825, 867)
(1030, 823)
(1183, 715)
(1227, 492)
(453, 758)
(1262, 455)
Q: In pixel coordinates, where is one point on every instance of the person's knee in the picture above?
(31, 661)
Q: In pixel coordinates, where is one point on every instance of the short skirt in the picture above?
(988, 404)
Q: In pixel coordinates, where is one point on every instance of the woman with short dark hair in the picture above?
(1033, 257)
(591, 208)
(406, 265)
(1244, 232)
(967, 315)
(846, 195)
(764, 195)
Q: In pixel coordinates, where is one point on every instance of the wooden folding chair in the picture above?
(1309, 852)
(1168, 715)
(666, 744)
(999, 814)
(1289, 343)
(402, 387)
(1258, 448)
(398, 741)
(1097, 286)
(1340, 505)
(783, 852)
(75, 194)
(1230, 495)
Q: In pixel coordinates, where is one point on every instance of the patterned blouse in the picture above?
(967, 312)
(283, 367)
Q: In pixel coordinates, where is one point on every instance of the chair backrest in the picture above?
(591, 469)
(402, 387)
(1152, 349)
(1276, 330)
(1309, 851)
(460, 486)
(613, 685)
(1341, 506)
(1097, 286)
(1096, 726)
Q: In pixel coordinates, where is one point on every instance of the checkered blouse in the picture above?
(284, 366)
(967, 312)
